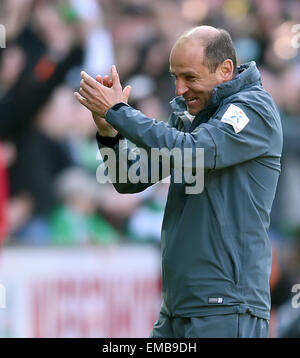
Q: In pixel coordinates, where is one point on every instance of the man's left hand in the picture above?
(99, 98)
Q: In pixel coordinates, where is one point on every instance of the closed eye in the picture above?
(190, 78)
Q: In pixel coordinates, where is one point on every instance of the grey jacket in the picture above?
(216, 254)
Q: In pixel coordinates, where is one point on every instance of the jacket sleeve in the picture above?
(127, 167)
(222, 146)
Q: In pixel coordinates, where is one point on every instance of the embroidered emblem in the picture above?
(236, 117)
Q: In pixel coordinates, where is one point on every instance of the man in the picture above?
(216, 255)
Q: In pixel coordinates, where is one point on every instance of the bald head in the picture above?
(201, 59)
(203, 34)
(216, 45)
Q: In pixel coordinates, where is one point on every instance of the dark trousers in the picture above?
(219, 326)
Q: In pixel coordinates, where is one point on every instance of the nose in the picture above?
(181, 87)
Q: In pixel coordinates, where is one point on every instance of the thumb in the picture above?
(115, 77)
(126, 93)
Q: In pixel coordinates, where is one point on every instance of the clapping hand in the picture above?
(99, 95)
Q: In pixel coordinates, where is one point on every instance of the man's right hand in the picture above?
(104, 128)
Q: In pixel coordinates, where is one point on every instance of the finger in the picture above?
(99, 79)
(84, 84)
(107, 81)
(82, 100)
(87, 94)
(89, 80)
(126, 93)
(115, 77)
(86, 89)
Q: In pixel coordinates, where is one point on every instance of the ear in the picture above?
(225, 70)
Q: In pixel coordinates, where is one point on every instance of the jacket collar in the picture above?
(248, 74)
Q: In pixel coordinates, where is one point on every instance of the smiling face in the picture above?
(193, 80)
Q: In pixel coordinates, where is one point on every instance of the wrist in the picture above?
(116, 106)
(109, 141)
(108, 133)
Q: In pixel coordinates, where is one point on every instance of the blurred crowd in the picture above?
(49, 194)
